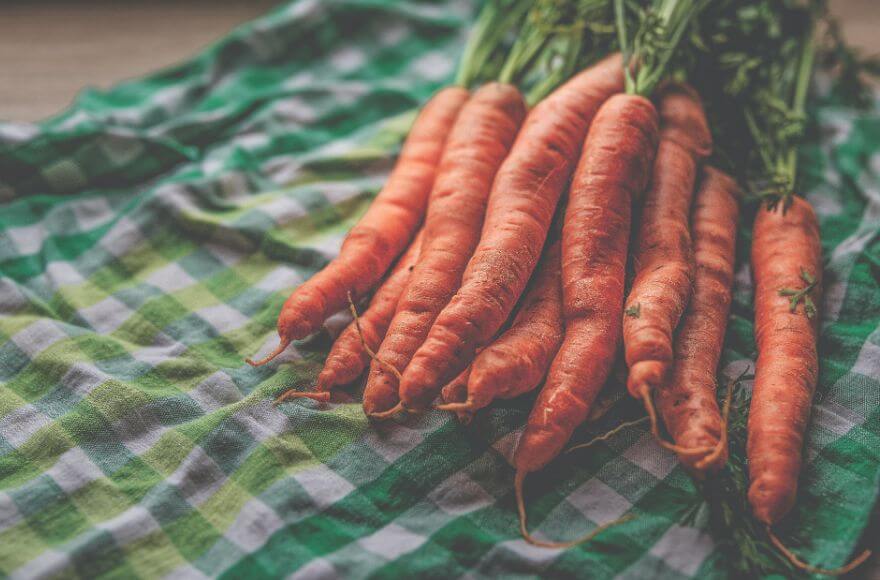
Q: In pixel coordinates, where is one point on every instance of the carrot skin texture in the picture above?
(521, 207)
(663, 252)
(372, 245)
(347, 358)
(478, 143)
(688, 401)
(613, 171)
(518, 360)
(788, 363)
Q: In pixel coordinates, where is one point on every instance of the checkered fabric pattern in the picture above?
(148, 237)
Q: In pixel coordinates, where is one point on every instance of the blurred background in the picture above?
(50, 50)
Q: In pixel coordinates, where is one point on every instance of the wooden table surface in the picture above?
(50, 49)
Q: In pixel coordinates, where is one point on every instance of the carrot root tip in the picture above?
(320, 396)
(465, 407)
(798, 563)
(384, 415)
(518, 480)
(609, 434)
(707, 461)
(278, 350)
(370, 352)
(645, 393)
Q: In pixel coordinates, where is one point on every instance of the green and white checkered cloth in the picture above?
(148, 237)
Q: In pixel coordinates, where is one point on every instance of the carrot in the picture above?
(663, 253)
(518, 360)
(478, 143)
(348, 358)
(613, 170)
(787, 266)
(521, 207)
(688, 402)
(382, 233)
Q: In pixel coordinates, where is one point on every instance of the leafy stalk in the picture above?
(752, 62)
(486, 46)
(783, 105)
(796, 295)
(558, 38)
(655, 40)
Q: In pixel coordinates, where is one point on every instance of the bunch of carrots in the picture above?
(525, 236)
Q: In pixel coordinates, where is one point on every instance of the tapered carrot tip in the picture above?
(464, 417)
(798, 563)
(608, 435)
(385, 415)
(321, 396)
(716, 460)
(464, 411)
(645, 394)
(518, 480)
(466, 407)
(278, 350)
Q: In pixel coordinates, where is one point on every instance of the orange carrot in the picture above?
(518, 360)
(478, 143)
(348, 358)
(613, 171)
(382, 233)
(663, 253)
(688, 401)
(521, 207)
(787, 266)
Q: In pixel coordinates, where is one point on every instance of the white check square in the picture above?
(392, 541)
(37, 337)
(222, 317)
(170, 278)
(107, 315)
(255, 523)
(323, 485)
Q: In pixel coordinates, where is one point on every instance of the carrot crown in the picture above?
(776, 117)
(649, 47)
(558, 37)
(489, 41)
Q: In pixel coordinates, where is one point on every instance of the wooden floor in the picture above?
(50, 49)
